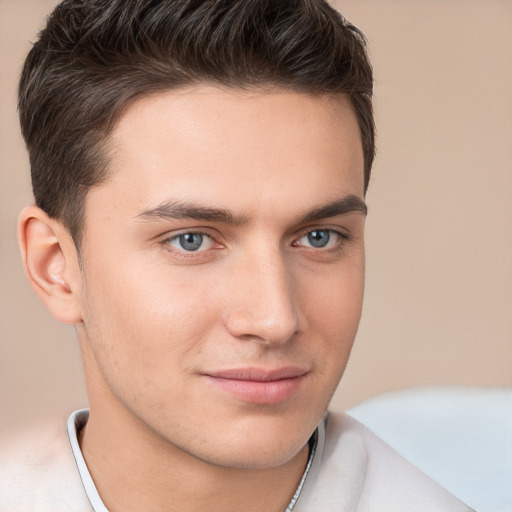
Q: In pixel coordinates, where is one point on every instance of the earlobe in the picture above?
(51, 263)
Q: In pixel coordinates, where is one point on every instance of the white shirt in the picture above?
(350, 470)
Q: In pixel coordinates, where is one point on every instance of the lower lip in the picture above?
(257, 392)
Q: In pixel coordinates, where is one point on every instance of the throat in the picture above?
(149, 476)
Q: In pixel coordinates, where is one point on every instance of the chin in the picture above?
(254, 458)
(261, 446)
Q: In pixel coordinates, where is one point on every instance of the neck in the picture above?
(135, 469)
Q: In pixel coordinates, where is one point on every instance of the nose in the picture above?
(263, 305)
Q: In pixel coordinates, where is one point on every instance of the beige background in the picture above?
(439, 236)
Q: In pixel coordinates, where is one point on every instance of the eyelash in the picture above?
(342, 237)
(166, 243)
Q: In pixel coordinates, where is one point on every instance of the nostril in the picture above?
(267, 327)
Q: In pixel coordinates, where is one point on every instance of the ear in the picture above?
(51, 263)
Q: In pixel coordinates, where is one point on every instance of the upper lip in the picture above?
(259, 374)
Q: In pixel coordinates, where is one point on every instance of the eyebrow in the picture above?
(347, 204)
(183, 210)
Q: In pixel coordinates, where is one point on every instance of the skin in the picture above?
(155, 321)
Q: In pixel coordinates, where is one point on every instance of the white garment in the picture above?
(355, 471)
(352, 470)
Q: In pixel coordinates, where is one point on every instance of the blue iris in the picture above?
(191, 241)
(319, 238)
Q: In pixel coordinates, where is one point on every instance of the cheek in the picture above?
(334, 300)
(145, 320)
(333, 306)
(147, 338)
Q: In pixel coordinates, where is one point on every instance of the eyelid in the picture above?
(169, 235)
(205, 241)
(336, 231)
(166, 240)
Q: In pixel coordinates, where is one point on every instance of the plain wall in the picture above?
(439, 233)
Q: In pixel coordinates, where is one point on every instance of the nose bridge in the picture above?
(264, 303)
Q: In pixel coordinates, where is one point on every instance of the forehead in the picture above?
(238, 148)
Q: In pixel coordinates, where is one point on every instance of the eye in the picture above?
(191, 242)
(320, 239)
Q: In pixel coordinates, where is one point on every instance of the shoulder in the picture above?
(38, 471)
(356, 471)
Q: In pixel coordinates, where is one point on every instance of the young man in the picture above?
(199, 171)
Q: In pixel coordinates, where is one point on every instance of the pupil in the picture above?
(191, 241)
(318, 238)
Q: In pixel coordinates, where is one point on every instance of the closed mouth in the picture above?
(258, 385)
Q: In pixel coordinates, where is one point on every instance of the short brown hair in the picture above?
(97, 56)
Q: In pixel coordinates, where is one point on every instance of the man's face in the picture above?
(223, 270)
